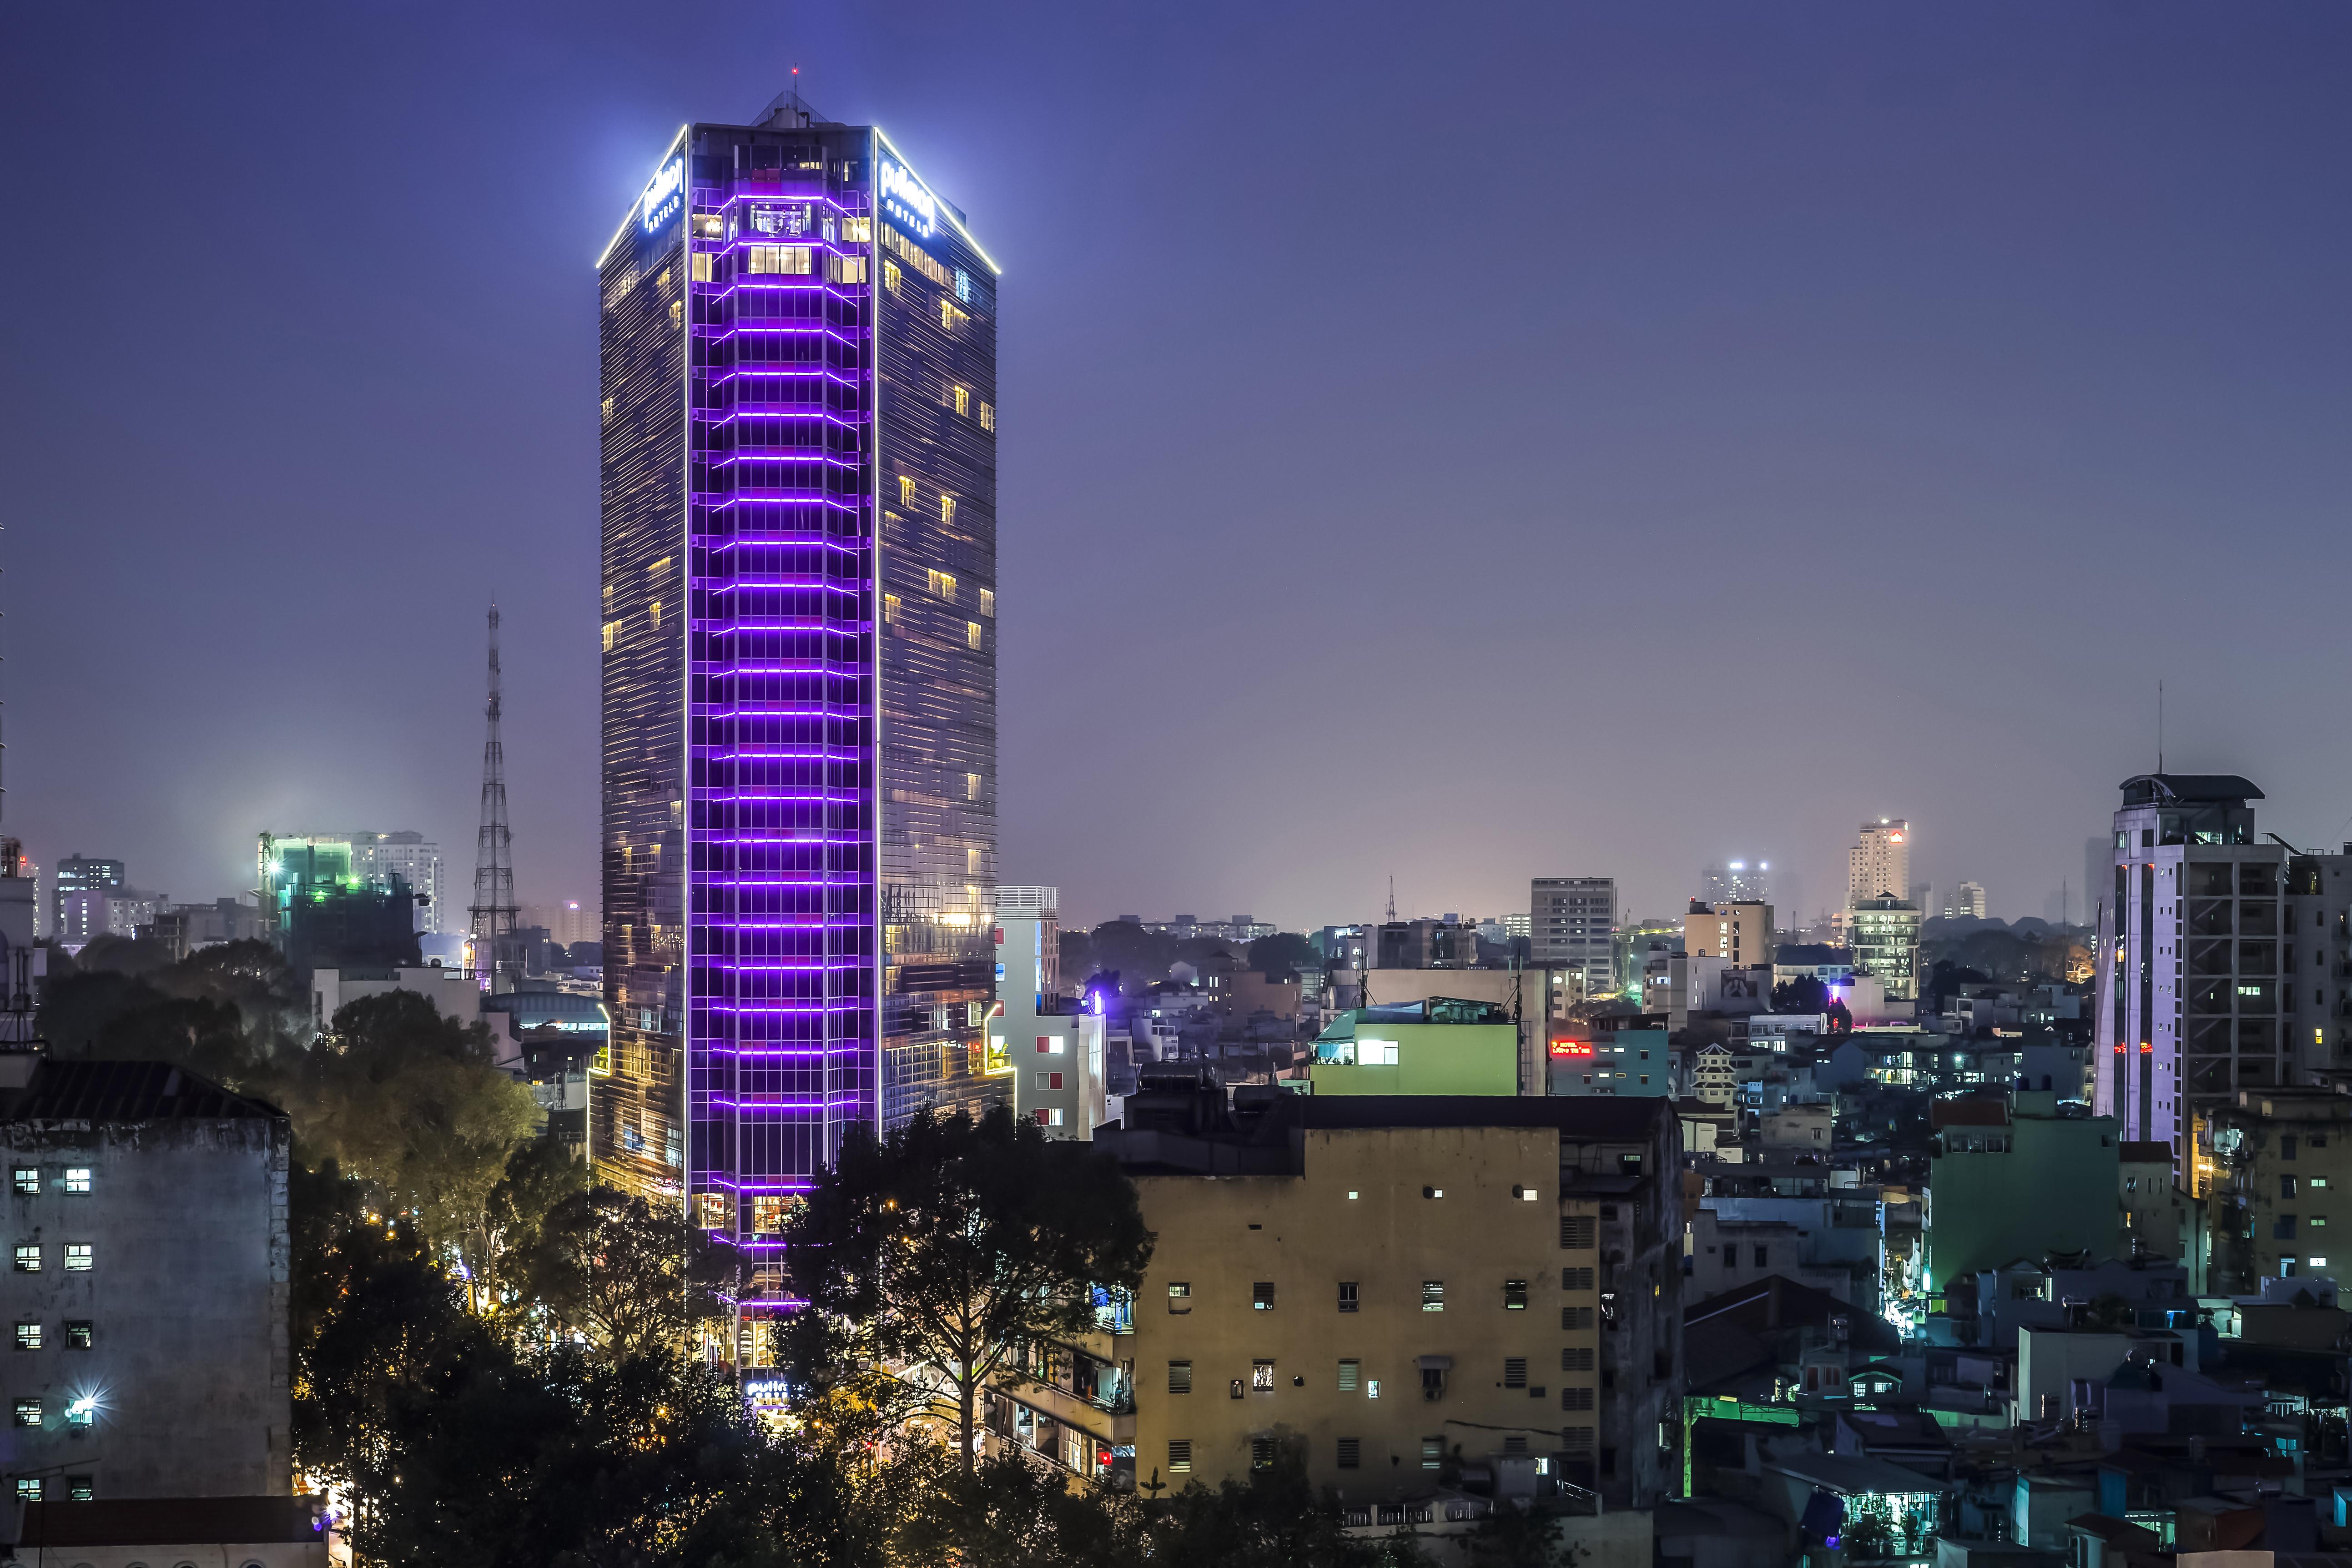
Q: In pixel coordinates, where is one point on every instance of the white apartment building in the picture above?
(1879, 864)
(1052, 1045)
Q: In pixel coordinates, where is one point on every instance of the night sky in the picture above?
(1459, 443)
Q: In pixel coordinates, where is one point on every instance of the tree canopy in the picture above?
(945, 1249)
(1284, 950)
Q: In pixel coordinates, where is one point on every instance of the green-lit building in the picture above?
(1442, 1046)
(2019, 1176)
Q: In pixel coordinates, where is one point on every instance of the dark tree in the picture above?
(1841, 1017)
(1805, 993)
(939, 1255)
(1076, 950)
(1283, 951)
(1142, 956)
(634, 1277)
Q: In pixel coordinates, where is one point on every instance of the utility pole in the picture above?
(493, 909)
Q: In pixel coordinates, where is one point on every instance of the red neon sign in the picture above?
(1572, 1048)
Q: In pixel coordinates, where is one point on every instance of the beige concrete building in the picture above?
(1406, 1291)
(1741, 933)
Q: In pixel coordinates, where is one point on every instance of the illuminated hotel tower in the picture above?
(799, 445)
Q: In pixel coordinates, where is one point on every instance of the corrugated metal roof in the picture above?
(123, 1091)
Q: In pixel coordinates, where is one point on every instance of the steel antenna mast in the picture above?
(493, 909)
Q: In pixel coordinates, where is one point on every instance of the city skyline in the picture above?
(2055, 322)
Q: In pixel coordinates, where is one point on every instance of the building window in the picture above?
(1180, 1296)
(779, 260)
(1262, 1296)
(988, 601)
(1261, 1453)
(29, 1412)
(28, 1336)
(845, 269)
(699, 266)
(77, 1257)
(1515, 1372)
(947, 510)
(1576, 1398)
(1514, 1295)
(84, 1488)
(942, 583)
(963, 285)
(988, 416)
(79, 1333)
(1576, 1278)
(612, 634)
(1262, 1376)
(1179, 1377)
(971, 635)
(28, 1489)
(82, 1414)
(2286, 1187)
(1577, 1358)
(2283, 1230)
(1180, 1455)
(962, 399)
(1432, 1453)
(890, 276)
(949, 317)
(655, 609)
(1578, 1232)
(1433, 1295)
(1351, 1453)
(1347, 1375)
(26, 1179)
(28, 1260)
(906, 489)
(1346, 1295)
(1761, 1257)
(889, 613)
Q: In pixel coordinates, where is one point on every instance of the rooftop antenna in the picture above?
(493, 909)
(1392, 914)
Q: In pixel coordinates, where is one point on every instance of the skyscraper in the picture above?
(799, 350)
(1879, 864)
(1571, 922)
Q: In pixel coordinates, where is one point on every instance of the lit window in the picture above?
(844, 268)
(1433, 1295)
(1349, 1371)
(963, 285)
(28, 1260)
(988, 416)
(1262, 1376)
(1179, 1377)
(677, 312)
(971, 785)
(767, 1213)
(1180, 1296)
(81, 1414)
(943, 583)
(890, 276)
(612, 634)
(80, 1488)
(1433, 1452)
(657, 614)
(26, 1179)
(858, 231)
(988, 601)
(889, 609)
(949, 317)
(28, 1336)
(906, 489)
(28, 1489)
(784, 260)
(77, 1257)
(972, 634)
(962, 396)
(79, 1333)
(702, 259)
(946, 509)
(29, 1412)
(1179, 1461)
(971, 859)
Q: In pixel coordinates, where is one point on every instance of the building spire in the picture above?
(493, 909)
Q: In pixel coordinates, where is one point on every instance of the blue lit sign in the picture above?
(664, 192)
(904, 198)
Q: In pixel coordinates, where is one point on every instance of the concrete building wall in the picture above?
(1568, 1364)
(186, 1299)
(2043, 1182)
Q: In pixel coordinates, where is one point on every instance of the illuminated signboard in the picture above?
(904, 198)
(664, 192)
(1572, 1048)
(766, 1391)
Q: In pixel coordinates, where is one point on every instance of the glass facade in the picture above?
(800, 668)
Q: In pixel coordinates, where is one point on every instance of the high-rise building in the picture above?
(2190, 986)
(1967, 902)
(76, 874)
(1571, 922)
(416, 861)
(1737, 881)
(1879, 864)
(1885, 937)
(1740, 932)
(1047, 1046)
(799, 460)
